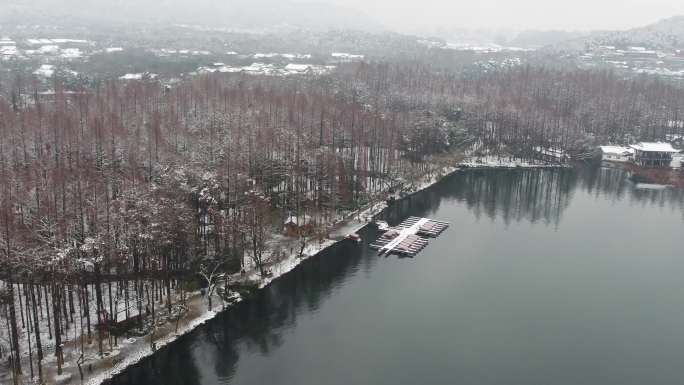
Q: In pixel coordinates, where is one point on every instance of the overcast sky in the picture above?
(517, 14)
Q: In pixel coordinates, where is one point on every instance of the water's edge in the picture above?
(193, 325)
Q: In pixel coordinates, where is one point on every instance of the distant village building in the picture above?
(653, 154)
(298, 68)
(298, 225)
(616, 153)
(551, 154)
(343, 57)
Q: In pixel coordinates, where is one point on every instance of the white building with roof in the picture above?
(616, 153)
(653, 154)
(297, 68)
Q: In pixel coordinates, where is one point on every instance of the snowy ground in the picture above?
(492, 161)
(137, 349)
(72, 332)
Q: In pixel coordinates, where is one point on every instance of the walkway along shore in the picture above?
(130, 351)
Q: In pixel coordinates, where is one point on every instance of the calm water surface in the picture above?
(544, 277)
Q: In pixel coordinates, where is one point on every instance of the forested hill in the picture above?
(253, 15)
(665, 34)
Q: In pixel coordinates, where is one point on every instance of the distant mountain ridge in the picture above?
(538, 39)
(528, 39)
(664, 34)
(235, 14)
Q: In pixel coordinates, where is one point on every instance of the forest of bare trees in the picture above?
(122, 195)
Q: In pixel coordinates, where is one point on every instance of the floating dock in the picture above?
(409, 237)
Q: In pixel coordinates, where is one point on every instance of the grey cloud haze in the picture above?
(414, 16)
(408, 15)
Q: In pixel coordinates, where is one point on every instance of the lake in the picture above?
(572, 276)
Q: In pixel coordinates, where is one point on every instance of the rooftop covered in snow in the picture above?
(654, 147)
(298, 220)
(616, 150)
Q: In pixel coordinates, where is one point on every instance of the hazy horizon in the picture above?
(578, 15)
(424, 17)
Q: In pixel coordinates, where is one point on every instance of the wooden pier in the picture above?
(409, 237)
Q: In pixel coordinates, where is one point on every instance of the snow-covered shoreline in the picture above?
(133, 359)
(495, 162)
(288, 264)
(278, 270)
